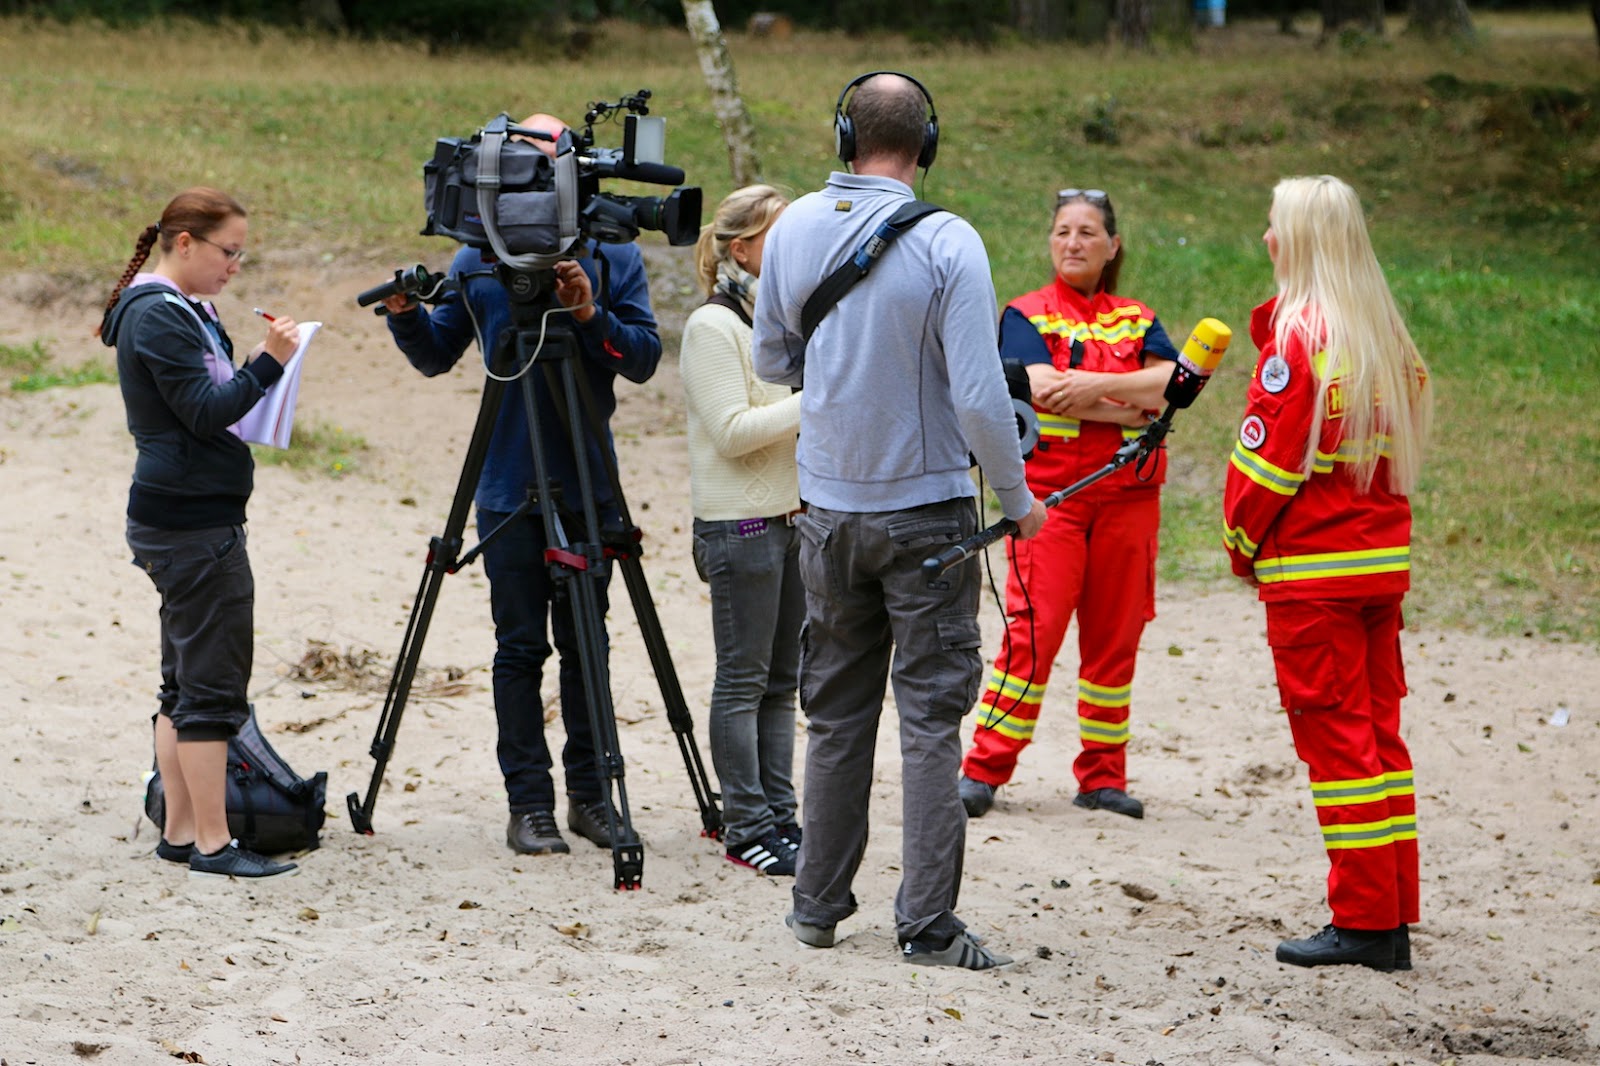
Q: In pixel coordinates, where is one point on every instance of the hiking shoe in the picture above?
(588, 820)
(1336, 947)
(812, 936)
(976, 796)
(790, 831)
(1109, 799)
(964, 951)
(535, 833)
(174, 852)
(234, 861)
(772, 855)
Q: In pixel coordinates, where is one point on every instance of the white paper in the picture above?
(270, 421)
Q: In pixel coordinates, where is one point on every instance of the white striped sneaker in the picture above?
(771, 855)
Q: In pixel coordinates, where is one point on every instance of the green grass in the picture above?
(316, 446)
(1477, 163)
(30, 369)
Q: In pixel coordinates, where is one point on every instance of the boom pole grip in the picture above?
(959, 553)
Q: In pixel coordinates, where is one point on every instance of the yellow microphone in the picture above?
(1200, 356)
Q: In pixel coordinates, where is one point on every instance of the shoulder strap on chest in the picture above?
(852, 270)
(722, 299)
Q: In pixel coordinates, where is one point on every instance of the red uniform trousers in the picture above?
(1096, 557)
(1341, 680)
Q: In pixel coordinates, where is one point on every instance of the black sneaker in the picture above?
(790, 831)
(1109, 799)
(535, 833)
(1334, 946)
(234, 861)
(964, 951)
(588, 820)
(771, 855)
(976, 796)
(174, 852)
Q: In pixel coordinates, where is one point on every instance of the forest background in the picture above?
(1477, 158)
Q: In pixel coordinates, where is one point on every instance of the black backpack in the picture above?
(271, 809)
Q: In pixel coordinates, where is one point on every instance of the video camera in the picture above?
(499, 192)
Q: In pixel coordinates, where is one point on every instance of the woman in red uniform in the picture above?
(1316, 516)
(1097, 363)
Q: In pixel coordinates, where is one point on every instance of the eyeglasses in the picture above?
(235, 255)
(1093, 196)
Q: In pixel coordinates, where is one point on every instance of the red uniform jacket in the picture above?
(1307, 537)
(1112, 334)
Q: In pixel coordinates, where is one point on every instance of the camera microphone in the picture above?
(654, 173)
(1200, 356)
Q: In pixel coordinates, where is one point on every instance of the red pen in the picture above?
(263, 314)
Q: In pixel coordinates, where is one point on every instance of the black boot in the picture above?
(1109, 799)
(1335, 947)
(1402, 947)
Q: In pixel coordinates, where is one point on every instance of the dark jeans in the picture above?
(523, 596)
(872, 615)
(757, 606)
(207, 624)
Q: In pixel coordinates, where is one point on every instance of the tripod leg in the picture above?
(443, 552)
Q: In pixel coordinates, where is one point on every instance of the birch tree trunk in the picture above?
(1440, 18)
(715, 64)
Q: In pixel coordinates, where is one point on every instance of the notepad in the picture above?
(270, 421)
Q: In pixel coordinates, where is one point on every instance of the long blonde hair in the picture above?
(746, 213)
(1332, 296)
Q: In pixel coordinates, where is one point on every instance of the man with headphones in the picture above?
(902, 384)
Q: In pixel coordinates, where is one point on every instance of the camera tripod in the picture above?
(576, 559)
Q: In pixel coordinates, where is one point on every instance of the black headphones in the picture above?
(844, 130)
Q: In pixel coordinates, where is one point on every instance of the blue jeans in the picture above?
(522, 595)
(757, 607)
(207, 624)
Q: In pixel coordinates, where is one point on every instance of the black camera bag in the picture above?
(527, 212)
(271, 809)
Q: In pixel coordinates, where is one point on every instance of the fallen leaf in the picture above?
(1138, 892)
(575, 929)
(953, 1013)
(279, 1018)
(182, 965)
(468, 905)
(9, 924)
(87, 1050)
(93, 923)
(308, 914)
(1169, 1030)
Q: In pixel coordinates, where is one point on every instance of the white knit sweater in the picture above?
(741, 429)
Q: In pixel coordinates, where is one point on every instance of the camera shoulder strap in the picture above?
(842, 280)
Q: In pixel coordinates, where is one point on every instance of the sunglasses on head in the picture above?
(1093, 196)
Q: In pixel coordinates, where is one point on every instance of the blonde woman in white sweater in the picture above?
(745, 491)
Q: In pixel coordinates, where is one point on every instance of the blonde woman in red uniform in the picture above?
(1097, 363)
(1316, 516)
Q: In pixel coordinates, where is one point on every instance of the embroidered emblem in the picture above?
(1253, 433)
(1275, 374)
(843, 205)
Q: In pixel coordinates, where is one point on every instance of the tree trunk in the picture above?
(1442, 18)
(1594, 13)
(717, 66)
(1366, 14)
(1134, 19)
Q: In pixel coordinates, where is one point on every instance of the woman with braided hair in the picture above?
(186, 509)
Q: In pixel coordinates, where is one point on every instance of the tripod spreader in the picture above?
(1136, 449)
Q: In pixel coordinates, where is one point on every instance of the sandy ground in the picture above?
(429, 942)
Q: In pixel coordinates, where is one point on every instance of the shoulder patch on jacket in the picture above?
(1275, 374)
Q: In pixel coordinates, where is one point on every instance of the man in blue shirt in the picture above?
(615, 334)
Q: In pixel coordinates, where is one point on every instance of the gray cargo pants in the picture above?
(869, 607)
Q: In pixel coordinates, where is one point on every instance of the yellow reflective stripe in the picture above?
(1121, 324)
(1352, 453)
(1128, 432)
(1359, 835)
(1284, 482)
(1233, 537)
(1004, 723)
(1334, 564)
(1102, 732)
(1056, 426)
(1103, 695)
(1405, 827)
(1347, 793)
(1010, 687)
(1400, 783)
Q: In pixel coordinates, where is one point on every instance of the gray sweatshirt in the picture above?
(902, 379)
